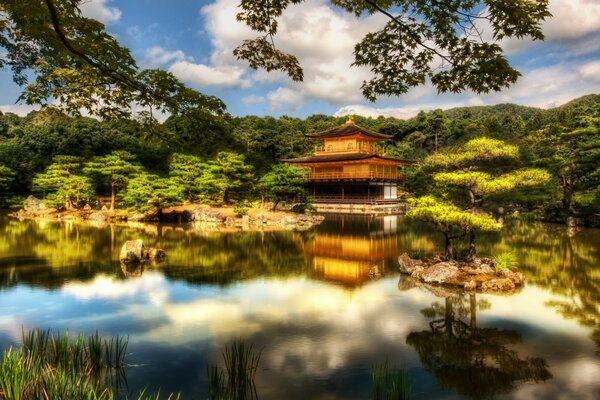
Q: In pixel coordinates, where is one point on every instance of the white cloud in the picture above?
(100, 10)
(201, 74)
(158, 56)
(404, 112)
(321, 38)
(19, 109)
(572, 18)
(284, 99)
(591, 71)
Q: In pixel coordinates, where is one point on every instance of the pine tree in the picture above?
(62, 183)
(469, 175)
(114, 168)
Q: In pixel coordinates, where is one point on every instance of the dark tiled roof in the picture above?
(341, 157)
(346, 130)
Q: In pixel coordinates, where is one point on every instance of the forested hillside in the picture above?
(563, 140)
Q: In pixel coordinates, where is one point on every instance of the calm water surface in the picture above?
(307, 301)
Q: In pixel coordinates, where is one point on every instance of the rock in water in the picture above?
(132, 252)
(440, 273)
(408, 265)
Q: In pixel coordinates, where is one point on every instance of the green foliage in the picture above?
(50, 366)
(114, 169)
(417, 38)
(7, 177)
(227, 175)
(236, 380)
(186, 171)
(390, 383)
(75, 61)
(474, 151)
(241, 207)
(282, 182)
(62, 185)
(506, 261)
(448, 217)
(147, 192)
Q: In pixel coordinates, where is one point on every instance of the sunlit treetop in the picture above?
(473, 152)
(439, 41)
(483, 183)
(446, 215)
(78, 66)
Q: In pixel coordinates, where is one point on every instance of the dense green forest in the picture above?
(222, 158)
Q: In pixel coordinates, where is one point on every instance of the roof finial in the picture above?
(350, 119)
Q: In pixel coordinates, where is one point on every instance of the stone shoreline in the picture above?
(211, 218)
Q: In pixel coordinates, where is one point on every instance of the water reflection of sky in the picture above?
(319, 338)
(314, 335)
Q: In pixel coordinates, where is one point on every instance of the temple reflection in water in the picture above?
(345, 255)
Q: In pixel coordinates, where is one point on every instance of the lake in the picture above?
(306, 300)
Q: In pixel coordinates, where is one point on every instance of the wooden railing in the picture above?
(321, 176)
(352, 199)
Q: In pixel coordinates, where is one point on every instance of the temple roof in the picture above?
(348, 129)
(342, 157)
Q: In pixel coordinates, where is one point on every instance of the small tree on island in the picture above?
(467, 176)
(63, 185)
(114, 168)
(282, 182)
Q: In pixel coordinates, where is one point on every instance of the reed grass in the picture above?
(53, 366)
(390, 383)
(236, 380)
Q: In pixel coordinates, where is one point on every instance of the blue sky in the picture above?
(194, 39)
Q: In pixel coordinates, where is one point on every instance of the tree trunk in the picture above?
(113, 195)
(472, 245)
(448, 246)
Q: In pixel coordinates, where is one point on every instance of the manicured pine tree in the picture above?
(282, 182)
(62, 183)
(226, 174)
(147, 192)
(186, 171)
(115, 169)
(469, 175)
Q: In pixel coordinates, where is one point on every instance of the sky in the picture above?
(194, 40)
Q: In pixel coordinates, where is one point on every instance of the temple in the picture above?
(348, 168)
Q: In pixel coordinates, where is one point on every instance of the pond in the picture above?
(307, 301)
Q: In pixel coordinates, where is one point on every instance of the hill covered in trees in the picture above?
(563, 140)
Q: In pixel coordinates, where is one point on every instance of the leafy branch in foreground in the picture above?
(439, 41)
(78, 65)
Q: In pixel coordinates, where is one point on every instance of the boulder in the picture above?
(206, 214)
(408, 265)
(498, 284)
(440, 273)
(132, 252)
(33, 204)
(470, 286)
(98, 216)
(245, 220)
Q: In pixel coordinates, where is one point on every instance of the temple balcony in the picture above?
(355, 175)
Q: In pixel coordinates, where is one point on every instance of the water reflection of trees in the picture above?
(477, 362)
(567, 264)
